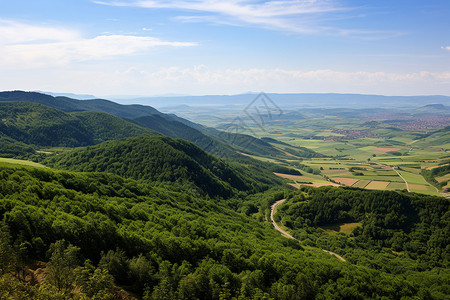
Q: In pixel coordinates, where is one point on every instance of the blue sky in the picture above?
(128, 47)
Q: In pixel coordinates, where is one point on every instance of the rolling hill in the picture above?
(41, 125)
(153, 158)
(167, 124)
(37, 124)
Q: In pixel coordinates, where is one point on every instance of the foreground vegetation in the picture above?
(135, 214)
(161, 241)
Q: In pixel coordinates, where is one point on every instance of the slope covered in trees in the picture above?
(409, 230)
(70, 105)
(37, 124)
(164, 242)
(216, 142)
(104, 127)
(160, 159)
(12, 148)
(177, 129)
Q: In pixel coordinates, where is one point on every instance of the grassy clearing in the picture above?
(20, 162)
(346, 228)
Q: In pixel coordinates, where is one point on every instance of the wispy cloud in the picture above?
(446, 48)
(201, 80)
(296, 16)
(36, 45)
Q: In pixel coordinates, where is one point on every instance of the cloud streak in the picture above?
(37, 46)
(202, 80)
(296, 16)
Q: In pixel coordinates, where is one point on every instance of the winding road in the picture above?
(406, 182)
(272, 213)
(284, 233)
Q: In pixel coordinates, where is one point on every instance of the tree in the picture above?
(63, 261)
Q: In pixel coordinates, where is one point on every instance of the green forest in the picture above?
(122, 208)
(99, 231)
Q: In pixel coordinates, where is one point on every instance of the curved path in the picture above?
(275, 225)
(406, 182)
(272, 213)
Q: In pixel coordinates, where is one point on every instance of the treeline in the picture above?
(97, 231)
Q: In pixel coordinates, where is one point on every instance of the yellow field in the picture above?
(346, 181)
(377, 185)
(21, 162)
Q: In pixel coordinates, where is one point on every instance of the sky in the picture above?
(170, 47)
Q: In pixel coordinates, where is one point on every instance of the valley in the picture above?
(128, 202)
(360, 148)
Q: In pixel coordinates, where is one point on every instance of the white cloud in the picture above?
(36, 46)
(203, 80)
(298, 16)
(446, 48)
(14, 32)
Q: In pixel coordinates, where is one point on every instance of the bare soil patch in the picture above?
(288, 176)
(346, 181)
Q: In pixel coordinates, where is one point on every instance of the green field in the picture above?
(391, 148)
(396, 186)
(20, 162)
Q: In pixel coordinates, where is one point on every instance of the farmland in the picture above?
(360, 151)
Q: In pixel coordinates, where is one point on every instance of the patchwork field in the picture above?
(361, 184)
(358, 153)
(377, 185)
(392, 186)
(345, 181)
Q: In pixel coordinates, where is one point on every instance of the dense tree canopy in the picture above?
(163, 241)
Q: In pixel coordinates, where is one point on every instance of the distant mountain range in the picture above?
(63, 121)
(295, 100)
(70, 95)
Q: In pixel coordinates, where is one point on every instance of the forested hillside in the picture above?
(411, 231)
(105, 127)
(136, 214)
(161, 159)
(163, 242)
(70, 105)
(12, 148)
(216, 142)
(41, 125)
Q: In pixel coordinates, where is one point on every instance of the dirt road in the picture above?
(275, 225)
(272, 213)
(406, 182)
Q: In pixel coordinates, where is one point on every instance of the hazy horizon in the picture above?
(205, 47)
